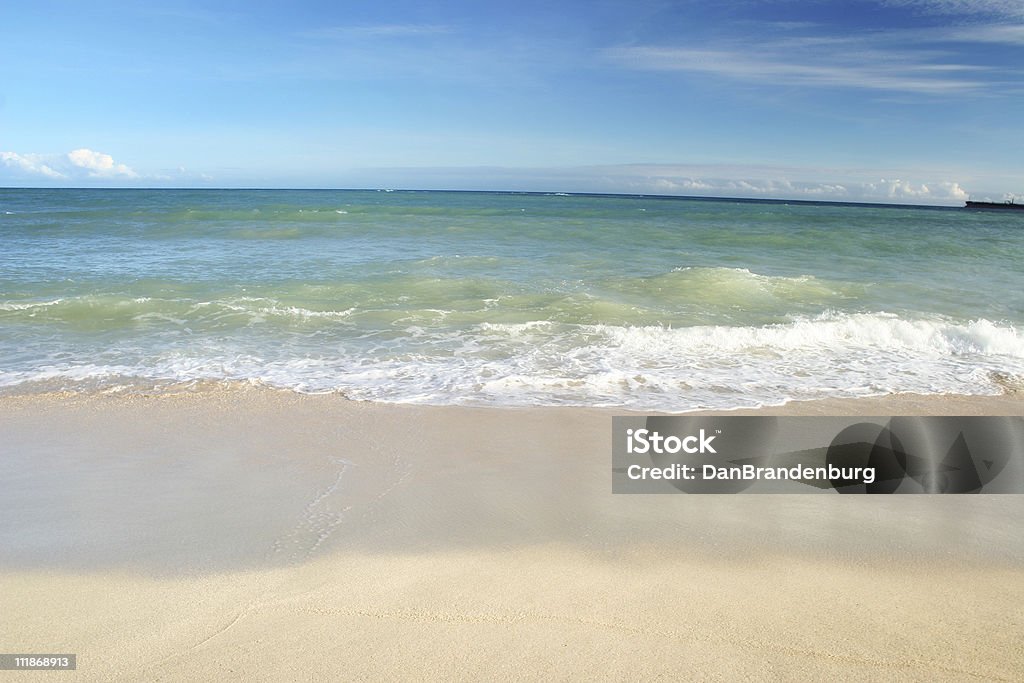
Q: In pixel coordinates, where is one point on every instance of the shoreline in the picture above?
(1009, 402)
(221, 533)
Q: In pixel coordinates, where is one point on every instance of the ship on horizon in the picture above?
(1006, 204)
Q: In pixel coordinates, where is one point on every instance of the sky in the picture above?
(907, 101)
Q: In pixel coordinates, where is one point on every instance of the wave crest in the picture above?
(550, 363)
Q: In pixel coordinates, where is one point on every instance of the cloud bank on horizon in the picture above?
(78, 164)
(914, 101)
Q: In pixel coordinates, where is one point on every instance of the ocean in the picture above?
(648, 303)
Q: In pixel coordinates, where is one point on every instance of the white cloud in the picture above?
(902, 190)
(681, 180)
(99, 165)
(78, 165)
(33, 164)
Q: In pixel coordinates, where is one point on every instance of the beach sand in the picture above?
(251, 534)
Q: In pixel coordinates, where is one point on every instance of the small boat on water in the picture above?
(1008, 204)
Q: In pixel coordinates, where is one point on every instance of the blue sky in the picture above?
(887, 100)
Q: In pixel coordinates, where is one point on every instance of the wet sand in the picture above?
(250, 534)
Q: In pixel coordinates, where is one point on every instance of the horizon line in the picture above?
(753, 200)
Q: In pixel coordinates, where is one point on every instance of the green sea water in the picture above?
(510, 299)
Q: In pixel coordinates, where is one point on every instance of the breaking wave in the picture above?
(547, 363)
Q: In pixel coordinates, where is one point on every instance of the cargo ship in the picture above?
(1008, 204)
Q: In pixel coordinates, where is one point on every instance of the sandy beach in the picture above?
(251, 534)
(365, 342)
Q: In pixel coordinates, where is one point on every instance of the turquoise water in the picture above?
(488, 298)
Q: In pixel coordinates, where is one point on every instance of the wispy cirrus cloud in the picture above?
(379, 31)
(780, 64)
(999, 34)
(444, 53)
(947, 59)
(974, 8)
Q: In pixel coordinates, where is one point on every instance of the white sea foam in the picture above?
(299, 312)
(651, 367)
(27, 305)
(880, 332)
(260, 308)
